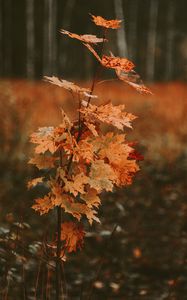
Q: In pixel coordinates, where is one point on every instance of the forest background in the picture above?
(151, 214)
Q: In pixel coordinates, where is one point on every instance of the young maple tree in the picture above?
(85, 160)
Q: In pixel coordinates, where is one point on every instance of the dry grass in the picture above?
(161, 125)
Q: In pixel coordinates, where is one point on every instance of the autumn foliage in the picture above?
(84, 158)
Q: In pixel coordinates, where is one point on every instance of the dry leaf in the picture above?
(73, 236)
(134, 80)
(70, 86)
(109, 114)
(44, 137)
(100, 21)
(101, 176)
(86, 38)
(34, 182)
(43, 162)
(43, 205)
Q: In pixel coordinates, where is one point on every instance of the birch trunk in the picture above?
(121, 36)
(30, 38)
(151, 40)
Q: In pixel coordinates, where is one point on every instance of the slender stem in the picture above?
(58, 251)
(58, 248)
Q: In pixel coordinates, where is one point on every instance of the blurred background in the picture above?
(146, 256)
(153, 35)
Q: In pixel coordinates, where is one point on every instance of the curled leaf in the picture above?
(86, 38)
(68, 85)
(134, 80)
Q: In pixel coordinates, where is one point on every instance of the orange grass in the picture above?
(161, 125)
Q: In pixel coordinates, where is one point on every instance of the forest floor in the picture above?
(139, 251)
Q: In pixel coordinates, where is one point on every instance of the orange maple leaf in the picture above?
(112, 62)
(73, 236)
(43, 205)
(44, 137)
(86, 38)
(100, 21)
(109, 114)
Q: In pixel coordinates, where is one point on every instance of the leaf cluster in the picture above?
(83, 160)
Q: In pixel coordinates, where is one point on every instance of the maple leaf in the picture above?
(117, 63)
(91, 198)
(101, 176)
(125, 172)
(109, 114)
(67, 202)
(73, 235)
(134, 80)
(44, 137)
(113, 147)
(70, 86)
(34, 182)
(43, 205)
(112, 62)
(100, 21)
(43, 162)
(76, 184)
(117, 152)
(84, 151)
(86, 38)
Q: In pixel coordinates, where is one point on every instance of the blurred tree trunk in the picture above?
(169, 40)
(67, 17)
(30, 38)
(133, 17)
(1, 38)
(151, 40)
(7, 41)
(50, 37)
(121, 36)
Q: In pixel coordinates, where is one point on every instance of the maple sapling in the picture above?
(84, 159)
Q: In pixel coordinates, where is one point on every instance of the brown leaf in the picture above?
(43, 162)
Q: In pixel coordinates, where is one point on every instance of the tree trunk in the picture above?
(1, 38)
(67, 17)
(151, 40)
(30, 38)
(7, 41)
(132, 40)
(169, 40)
(50, 34)
(121, 36)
